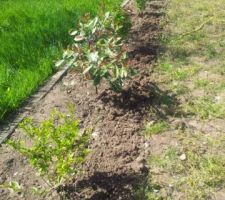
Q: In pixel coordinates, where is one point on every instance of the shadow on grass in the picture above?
(165, 104)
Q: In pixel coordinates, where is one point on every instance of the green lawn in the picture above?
(33, 34)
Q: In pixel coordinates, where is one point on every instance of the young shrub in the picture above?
(98, 52)
(58, 147)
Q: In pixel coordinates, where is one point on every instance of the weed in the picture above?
(179, 88)
(147, 191)
(13, 186)
(216, 88)
(155, 128)
(201, 83)
(165, 66)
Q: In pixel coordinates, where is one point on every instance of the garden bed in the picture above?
(117, 161)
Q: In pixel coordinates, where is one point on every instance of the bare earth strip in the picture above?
(117, 161)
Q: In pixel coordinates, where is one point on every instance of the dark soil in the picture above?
(117, 161)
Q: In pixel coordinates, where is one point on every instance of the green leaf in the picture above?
(59, 63)
(99, 51)
(14, 186)
(74, 33)
(55, 146)
(107, 14)
(79, 38)
(97, 80)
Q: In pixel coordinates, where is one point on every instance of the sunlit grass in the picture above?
(191, 164)
(194, 44)
(188, 170)
(197, 176)
(206, 108)
(155, 128)
(201, 83)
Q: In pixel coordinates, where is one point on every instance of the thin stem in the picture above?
(197, 29)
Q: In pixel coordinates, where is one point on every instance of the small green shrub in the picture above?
(98, 52)
(57, 149)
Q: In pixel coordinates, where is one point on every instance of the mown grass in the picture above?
(206, 108)
(33, 34)
(197, 176)
(194, 51)
(190, 163)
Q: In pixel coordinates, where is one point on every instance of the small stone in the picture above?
(15, 174)
(150, 123)
(146, 145)
(72, 83)
(179, 125)
(101, 107)
(25, 161)
(183, 157)
(155, 191)
(140, 159)
(21, 174)
(66, 83)
(54, 194)
(218, 98)
(95, 135)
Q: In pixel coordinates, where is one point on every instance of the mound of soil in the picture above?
(117, 161)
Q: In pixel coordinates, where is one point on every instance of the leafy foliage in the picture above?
(98, 52)
(58, 146)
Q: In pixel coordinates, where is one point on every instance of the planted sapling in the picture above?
(58, 147)
(98, 52)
